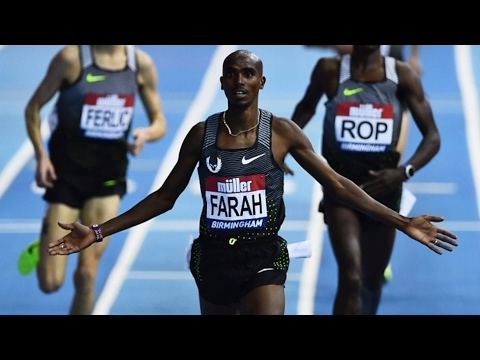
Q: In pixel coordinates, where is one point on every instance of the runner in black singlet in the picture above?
(84, 170)
(367, 97)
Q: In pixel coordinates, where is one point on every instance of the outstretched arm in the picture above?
(158, 202)
(420, 228)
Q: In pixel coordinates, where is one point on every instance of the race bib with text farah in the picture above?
(237, 202)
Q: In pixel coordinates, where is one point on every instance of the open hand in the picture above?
(79, 238)
(421, 229)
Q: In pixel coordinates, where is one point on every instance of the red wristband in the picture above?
(98, 233)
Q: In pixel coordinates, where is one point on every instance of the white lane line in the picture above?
(469, 93)
(197, 112)
(438, 188)
(311, 266)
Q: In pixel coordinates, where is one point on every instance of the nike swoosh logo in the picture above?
(248, 161)
(349, 92)
(94, 78)
(265, 269)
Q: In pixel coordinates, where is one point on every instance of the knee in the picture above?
(84, 277)
(356, 285)
(50, 283)
(351, 281)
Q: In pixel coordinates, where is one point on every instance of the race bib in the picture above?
(236, 202)
(364, 127)
(106, 116)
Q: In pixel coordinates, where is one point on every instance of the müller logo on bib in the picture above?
(107, 116)
(237, 202)
(364, 127)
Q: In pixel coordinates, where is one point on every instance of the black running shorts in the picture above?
(225, 271)
(75, 190)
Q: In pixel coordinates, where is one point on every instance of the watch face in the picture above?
(409, 171)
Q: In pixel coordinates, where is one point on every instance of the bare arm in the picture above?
(64, 67)
(289, 137)
(155, 204)
(414, 59)
(411, 91)
(306, 107)
(147, 78)
(324, 72)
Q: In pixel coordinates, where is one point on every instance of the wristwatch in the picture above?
(409, 170)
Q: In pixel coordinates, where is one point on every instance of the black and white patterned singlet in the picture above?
(242, 189)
